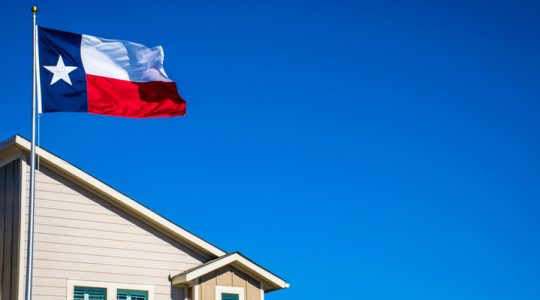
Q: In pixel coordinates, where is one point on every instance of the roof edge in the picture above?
(8, 142)
(94, 184)
(234, 258)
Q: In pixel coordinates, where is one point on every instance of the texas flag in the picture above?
(84, 73)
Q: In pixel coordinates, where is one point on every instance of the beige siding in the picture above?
(79, 236)
(9, 229)
(228, 276)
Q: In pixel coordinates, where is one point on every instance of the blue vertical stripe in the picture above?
(60, 95)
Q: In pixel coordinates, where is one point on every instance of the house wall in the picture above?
(79, 236)
(10, 184)
(228, 276)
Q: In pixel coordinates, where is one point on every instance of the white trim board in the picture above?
(196, 291)
(91, 183)
(23, 227)
(235, 258)
(220, 289)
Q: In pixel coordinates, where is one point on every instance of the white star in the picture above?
(60, 71)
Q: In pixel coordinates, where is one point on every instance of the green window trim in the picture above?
(131, 295)
(229, 296)
(89, 293)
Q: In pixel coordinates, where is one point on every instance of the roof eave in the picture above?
(271, 281)
(63, 167)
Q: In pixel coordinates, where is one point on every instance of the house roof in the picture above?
(270, 281)
(91, 183)
(220, 258)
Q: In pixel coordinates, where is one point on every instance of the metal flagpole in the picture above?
(30, 247)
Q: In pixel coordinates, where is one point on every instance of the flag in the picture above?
(84, 73)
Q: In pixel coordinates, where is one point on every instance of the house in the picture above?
(92, 242)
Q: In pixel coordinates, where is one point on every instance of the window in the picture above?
(227, 296)
(229, 293)
(131, 295)
(99, 290)
(86, 293)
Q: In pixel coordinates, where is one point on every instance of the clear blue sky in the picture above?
(361, 150)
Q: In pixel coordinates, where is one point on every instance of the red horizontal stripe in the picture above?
(115, 97)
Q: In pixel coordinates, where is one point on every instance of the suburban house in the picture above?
(92, 242)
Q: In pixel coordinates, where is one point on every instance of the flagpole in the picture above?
(30, 247)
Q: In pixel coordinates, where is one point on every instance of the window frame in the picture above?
(111, 288)
(131, 293)
(86, 288)
(220, 289)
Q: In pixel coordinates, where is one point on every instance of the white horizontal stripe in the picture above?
(122, 60)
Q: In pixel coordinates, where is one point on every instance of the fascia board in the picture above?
(122, 200)
(232, 259)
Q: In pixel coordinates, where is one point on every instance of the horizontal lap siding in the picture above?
(9, 229)
(79, 236)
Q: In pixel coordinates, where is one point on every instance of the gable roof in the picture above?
(131, 206)
(270, 281)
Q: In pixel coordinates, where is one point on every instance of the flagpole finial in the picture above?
(34, 9)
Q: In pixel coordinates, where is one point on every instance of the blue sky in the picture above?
(361, 150)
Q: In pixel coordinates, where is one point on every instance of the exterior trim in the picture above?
(22, 229)
(234, 258)
(10, 158)
(196, 290)
(220, 289)
(108, 193)
(111, 288)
